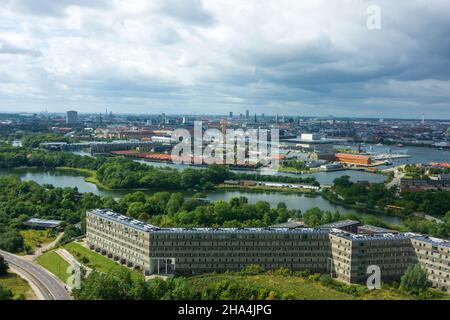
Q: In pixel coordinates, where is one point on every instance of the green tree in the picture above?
(5, 294)
(11, 240)
(3, 266)
(415, 280)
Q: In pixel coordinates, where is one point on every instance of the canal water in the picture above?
(417, 155)
(292, 201)
(321, 177)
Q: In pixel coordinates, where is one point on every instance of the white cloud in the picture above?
(301, 57)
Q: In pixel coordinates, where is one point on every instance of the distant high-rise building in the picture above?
(231, 114)
(247, 114)
(276, 118)
(256, 120)
(71, 117)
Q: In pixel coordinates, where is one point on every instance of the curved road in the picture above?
(50, 287)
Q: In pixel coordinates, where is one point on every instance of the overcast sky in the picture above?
(312, 58)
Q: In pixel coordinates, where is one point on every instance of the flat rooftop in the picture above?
(132, 223)
(374, 229)
(288, 227)
(43, 222)
(340, 224)
(142, 226)
(433, 241)
(290, 224)
(376, 236)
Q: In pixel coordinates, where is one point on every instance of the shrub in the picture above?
(3, 266)
(415, 280)
(252, 269)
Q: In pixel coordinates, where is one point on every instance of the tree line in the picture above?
(101, 286)
(22, 200)
(376, 196)
(124, 173)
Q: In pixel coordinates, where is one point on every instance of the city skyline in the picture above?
(62, 113)
(309, 58)
(245, 151)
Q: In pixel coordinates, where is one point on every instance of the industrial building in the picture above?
(442, 181)
(343, 254)
(357, 159)
(42, 223)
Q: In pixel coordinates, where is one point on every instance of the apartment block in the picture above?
(119, 238)
(434, 255)
(352, 254)
(343, 254)
(201, 250)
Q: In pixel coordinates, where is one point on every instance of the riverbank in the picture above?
(90, 175)
(296, 171)
(294, 199)
(267, 188)
(374, 212)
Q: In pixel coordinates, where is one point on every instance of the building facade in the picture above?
(343, 254)
(434, 255)
(71, 117)
(356, 159)
(352, 255)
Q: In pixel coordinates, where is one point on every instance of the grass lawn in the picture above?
(18, 286)
(300, 288)
(36, 238)
(95, 260)
(55, 264)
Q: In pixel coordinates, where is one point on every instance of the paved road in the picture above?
(50, 287)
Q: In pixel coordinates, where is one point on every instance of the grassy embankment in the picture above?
(267, 188)
(95, 260)
(299, 171)
(18, 286)
(303, 288)
(55, 264)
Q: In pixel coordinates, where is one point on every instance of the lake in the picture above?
(292, 201)
(321, 177)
